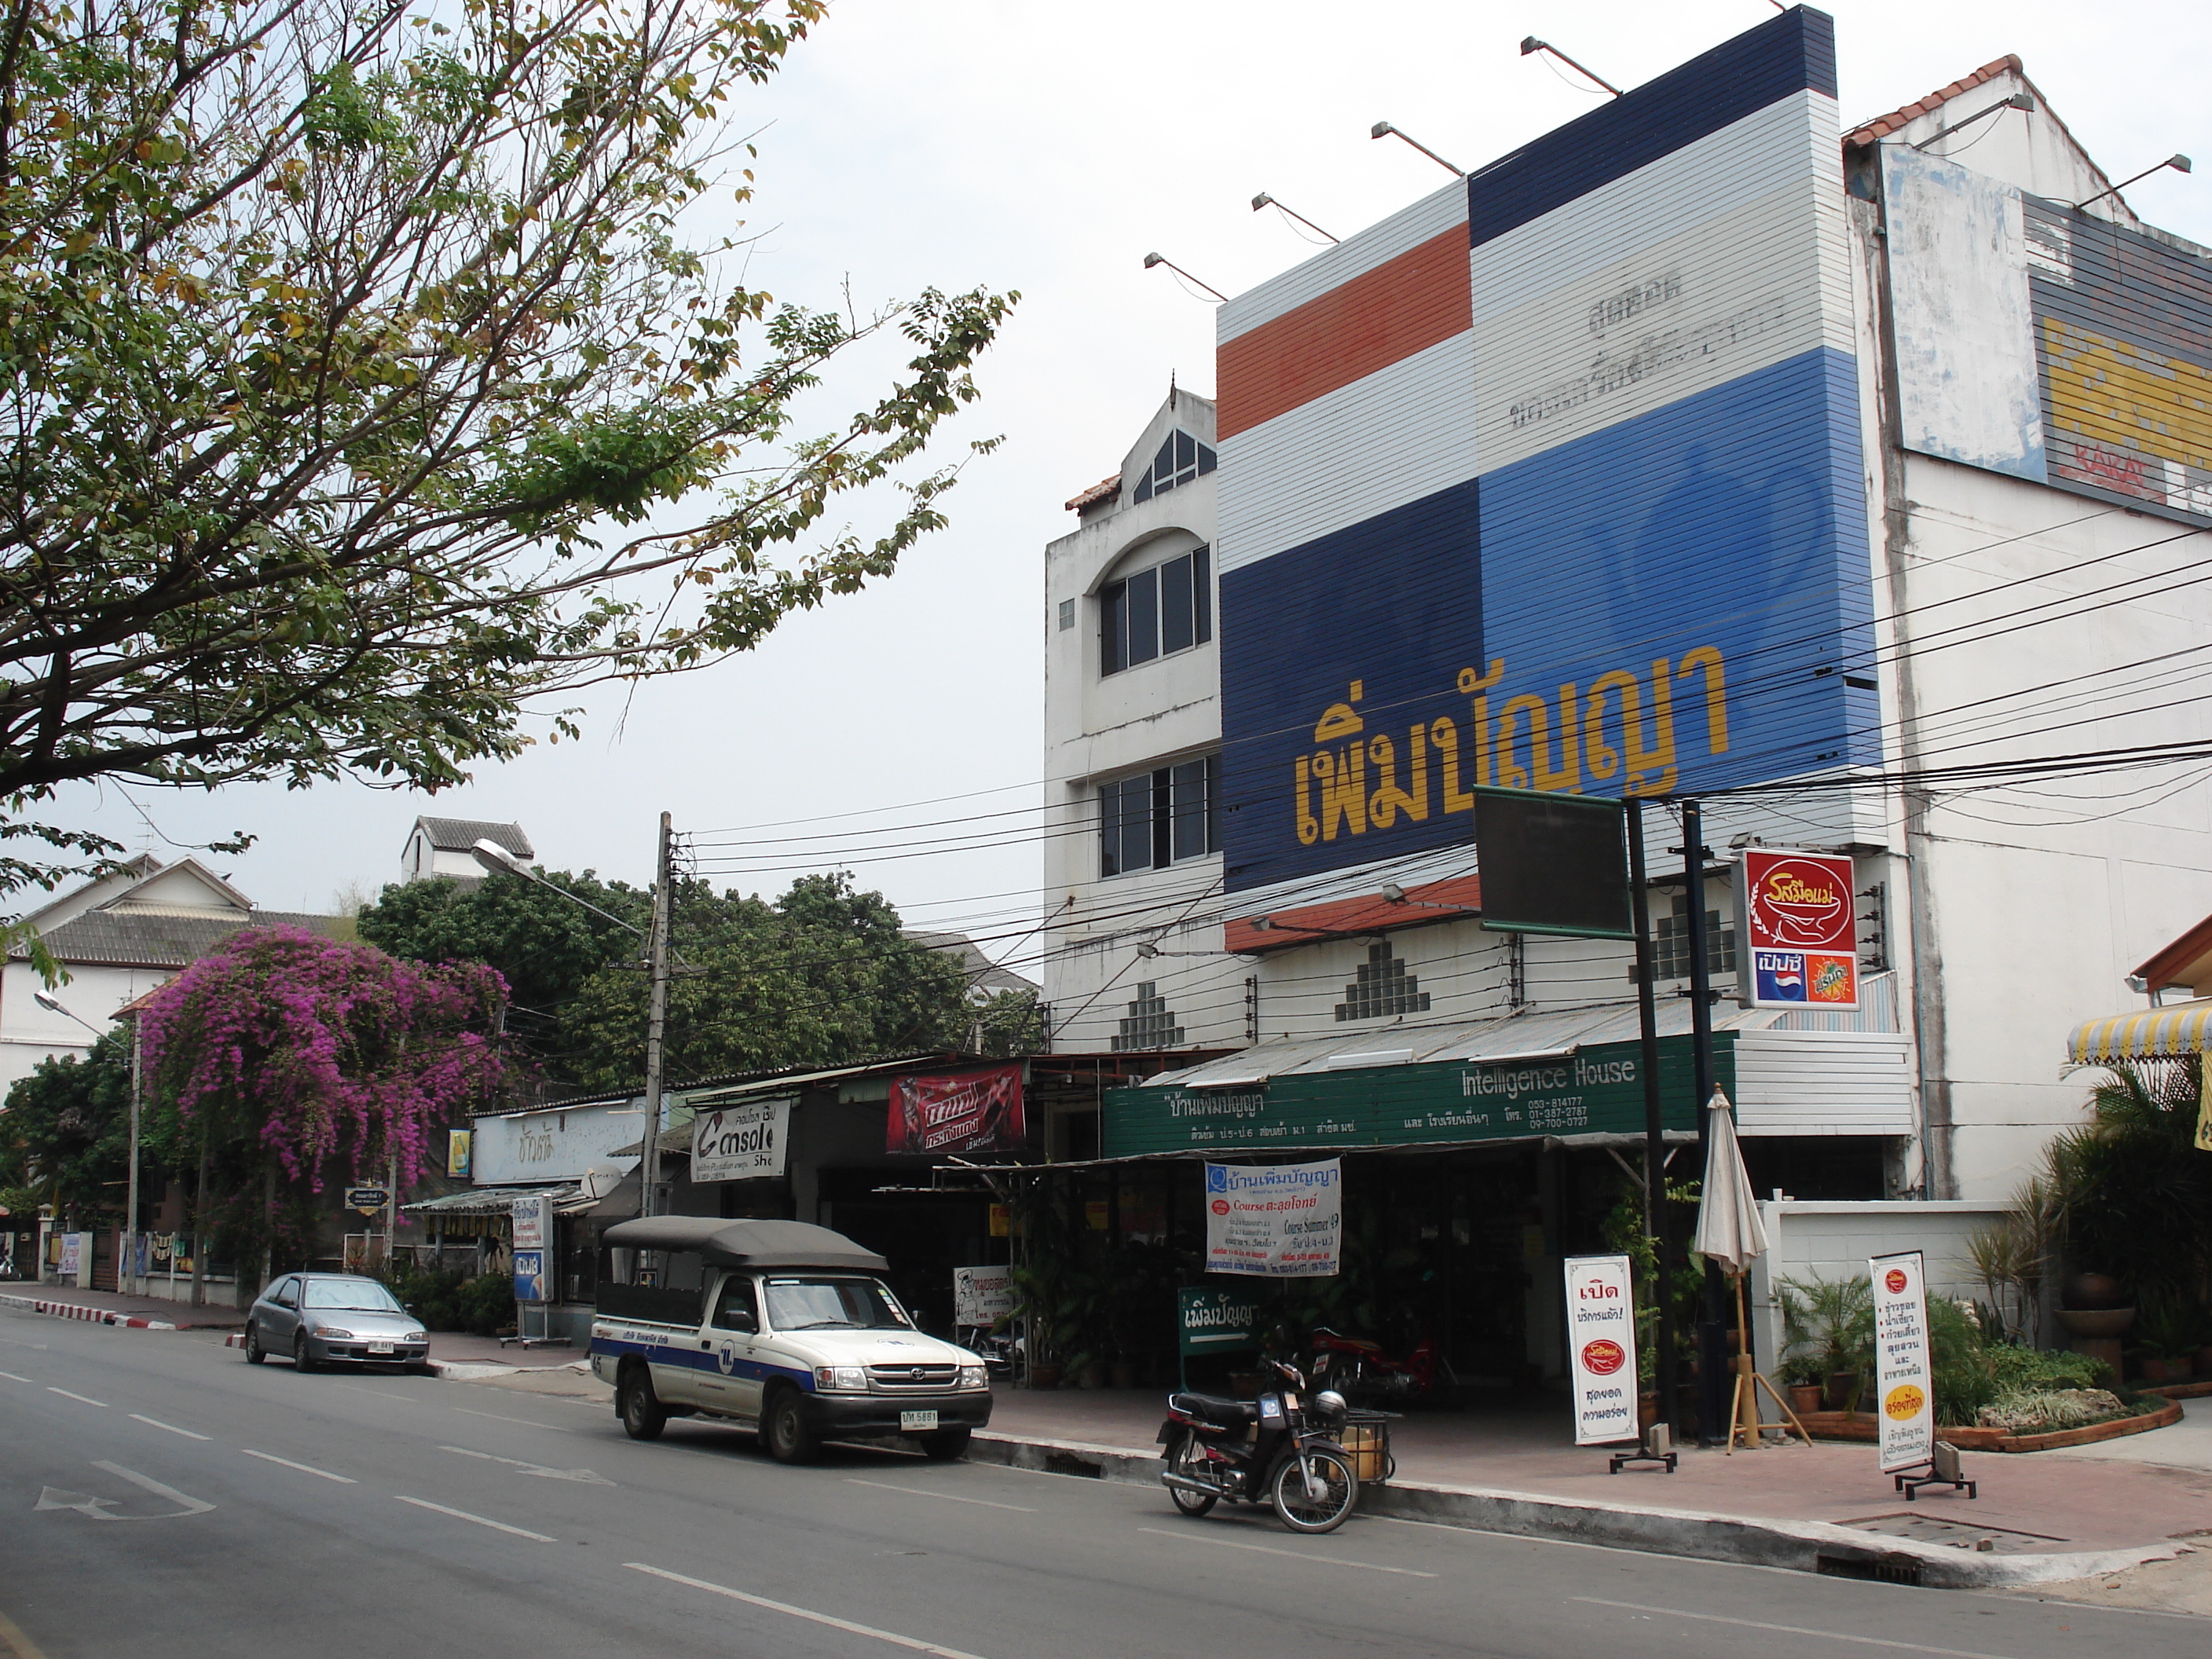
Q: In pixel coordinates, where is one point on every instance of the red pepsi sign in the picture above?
(1797, 930)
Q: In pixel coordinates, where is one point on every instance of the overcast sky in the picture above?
(1047, 147)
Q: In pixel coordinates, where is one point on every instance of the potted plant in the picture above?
(1827, 1334)
(2168, 1333)
(1804, 1385)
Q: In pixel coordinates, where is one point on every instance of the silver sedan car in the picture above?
(334, 1318)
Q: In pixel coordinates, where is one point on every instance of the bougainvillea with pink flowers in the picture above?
(315, 1050)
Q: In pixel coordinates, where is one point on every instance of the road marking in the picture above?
(304, 1469)
(51, 1498)
(11, 1635)
(87, 1398)
(378, 1393)
(950, 1498)
(462, 1514)
(1791, 1630)
(584, 1476)
(847, 1625)
(550, 1428)
(171, 1427)
(12, 1378)
(1269, 1549)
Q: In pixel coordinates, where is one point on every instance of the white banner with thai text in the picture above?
(742, 1142)
(1905, 1379)
(1277, 1220)
(1602, 1347)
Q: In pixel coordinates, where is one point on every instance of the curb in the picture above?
(79, 1310)
(1816, 1547)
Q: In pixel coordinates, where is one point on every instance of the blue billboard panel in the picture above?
(1676, 602)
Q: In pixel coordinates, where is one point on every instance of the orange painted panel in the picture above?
(1385, 315)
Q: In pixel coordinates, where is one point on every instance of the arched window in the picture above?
(1182, 461)
(1155, 613)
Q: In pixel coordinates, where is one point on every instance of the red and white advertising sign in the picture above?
(1601, 1348)
(1797, 931)
(969, 1112)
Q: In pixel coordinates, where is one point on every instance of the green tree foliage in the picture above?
(543, 946)
(361, 388)
(2133, 1193)
(65, 1135)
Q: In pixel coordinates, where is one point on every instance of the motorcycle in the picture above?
(1360, 1370)
(1278, 1449)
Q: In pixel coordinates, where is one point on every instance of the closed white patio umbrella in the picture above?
(1730, 1233)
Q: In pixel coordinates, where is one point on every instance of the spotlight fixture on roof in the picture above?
(1151, 259)
(1384, 130)
(2178, 161)
(2019, 101)
(1530, 44)
(1263, 924)
(1392, 893)
(1264, 200)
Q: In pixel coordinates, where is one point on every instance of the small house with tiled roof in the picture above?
(445, 847)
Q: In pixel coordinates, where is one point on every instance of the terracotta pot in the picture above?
(2095, 1323)
(1647, 1410)
(2157, 1373)
(2089, 1291)
(1804, 1397)
(1044, 1376)
(1838, 1390)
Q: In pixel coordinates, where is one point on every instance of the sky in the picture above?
(1047, 148)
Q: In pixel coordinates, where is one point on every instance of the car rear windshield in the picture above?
(361, 1295)
(813, 1304)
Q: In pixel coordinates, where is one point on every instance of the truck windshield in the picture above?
(813, 1304)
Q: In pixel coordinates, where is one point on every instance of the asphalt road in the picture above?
(159, 1496)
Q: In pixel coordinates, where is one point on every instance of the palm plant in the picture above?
(2131, 1192)
(1828, 1328)
(2013, 1256)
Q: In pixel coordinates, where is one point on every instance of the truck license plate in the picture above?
(379, 1347)
(909, 1421)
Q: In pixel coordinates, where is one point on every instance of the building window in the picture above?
(1383, 987)
(1160, 817)
(1149, 1023)
(1066, 614)
(1670, 946)
(1166, 609)
(1183, 459)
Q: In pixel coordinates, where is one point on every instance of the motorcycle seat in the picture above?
(1212, 1408)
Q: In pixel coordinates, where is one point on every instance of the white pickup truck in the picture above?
(779, 1326)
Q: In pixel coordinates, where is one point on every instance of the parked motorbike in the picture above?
(1279, 1448)
(1361, 1371)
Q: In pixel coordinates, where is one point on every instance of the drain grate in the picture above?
(1959, 1534)
(1875, 1569)
(1060, 1462)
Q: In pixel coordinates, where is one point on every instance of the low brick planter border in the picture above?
(1860, 1425)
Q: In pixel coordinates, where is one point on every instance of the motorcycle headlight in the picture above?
(972, 1376)
(1329, 1403)
(842, 1379)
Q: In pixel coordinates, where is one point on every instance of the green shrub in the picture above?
(452, 1301)
(487, 1303)
(1964, 1380)
(2019, 1369)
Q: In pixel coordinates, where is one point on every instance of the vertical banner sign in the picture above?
(533, 1223)
(970, 1112)
(742, 1142)
(1279, 1221)
(1601, 1348)
(459, 1145)
(1795, 916)
(1905, 1382)
(530, 1276)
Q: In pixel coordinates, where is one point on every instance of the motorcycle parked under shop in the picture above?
(1279, 1449)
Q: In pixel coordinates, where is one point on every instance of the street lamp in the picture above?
(498, 860)
(53, 1004)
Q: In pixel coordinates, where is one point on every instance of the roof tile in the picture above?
(1882, 125)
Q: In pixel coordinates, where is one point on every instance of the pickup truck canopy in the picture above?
(746, 1244)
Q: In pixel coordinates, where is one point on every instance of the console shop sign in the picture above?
(1598, 1090)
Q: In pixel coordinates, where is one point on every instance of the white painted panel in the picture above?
(1792, 138)
(1967, 381)
(1398, 434)
(1823, 1082)
(553, 1146)
(1400, 233)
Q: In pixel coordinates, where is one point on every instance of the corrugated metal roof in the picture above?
(144, 939)
(459, 835)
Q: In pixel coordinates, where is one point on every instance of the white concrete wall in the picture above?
(29, 1033)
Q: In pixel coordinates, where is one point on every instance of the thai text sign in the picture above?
(981, 1296)
(1794, 914)
(1215, 1321)
(1905, 1381)
(530, 1276)
(969, 1112)
(741, 1142)
(533, 1223)
(1601, 1348)
(1279, 1220)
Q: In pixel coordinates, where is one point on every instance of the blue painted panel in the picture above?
(1722, 536)
(1784, 55)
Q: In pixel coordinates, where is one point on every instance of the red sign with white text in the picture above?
(1797, 930)
(977, 1111)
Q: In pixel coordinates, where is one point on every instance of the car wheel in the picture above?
(255, 1353)
(945, 1445)
(790, 1438)
(302, 1359)
(642, 1416)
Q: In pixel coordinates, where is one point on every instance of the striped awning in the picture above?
(2146, 1034)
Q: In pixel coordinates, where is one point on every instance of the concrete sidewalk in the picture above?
(154, 1309)
(1512, 1467)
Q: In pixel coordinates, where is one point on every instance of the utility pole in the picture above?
(1654, 1122)
(1712, 1325)
(656, 1018)
(130, 1204)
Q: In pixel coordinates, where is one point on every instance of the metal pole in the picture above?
(1712, 1325)
(130, 1204)
(656, 1020)
(1655, 1127)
